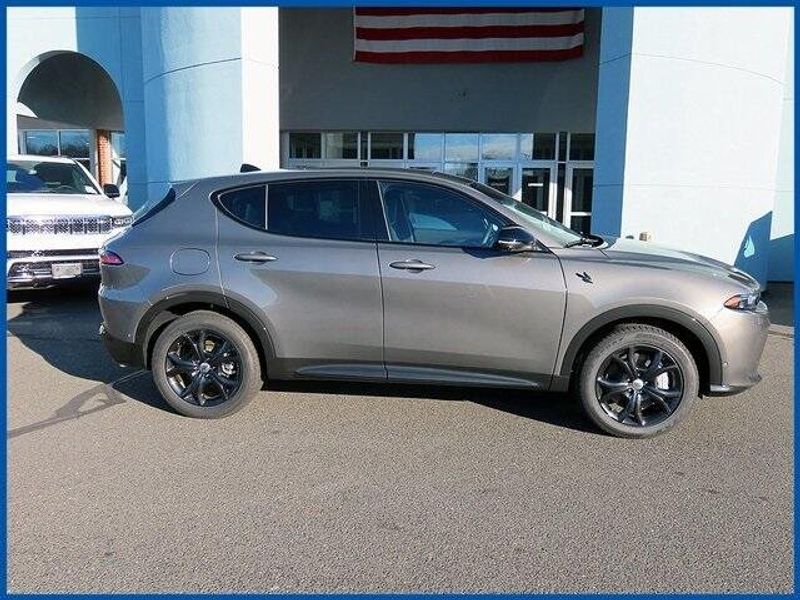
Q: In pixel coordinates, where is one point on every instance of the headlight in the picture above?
(743, 301)
(121, 221)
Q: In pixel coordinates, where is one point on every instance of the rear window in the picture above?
(246, 204)
(318, 209)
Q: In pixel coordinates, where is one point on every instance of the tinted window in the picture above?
(245, 204)
(429, 214)
(319, 209)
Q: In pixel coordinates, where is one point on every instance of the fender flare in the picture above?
(645, 311)
(159, 314)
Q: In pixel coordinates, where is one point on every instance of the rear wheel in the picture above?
(205, 365)
(638, 381)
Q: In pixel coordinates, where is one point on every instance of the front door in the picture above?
(579, 182)
(499, 177)
(302, 256)
(454, 307)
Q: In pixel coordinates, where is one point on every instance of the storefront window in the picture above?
(305, 145)
(75, 144)
(41, 143)
(425, 146)
(386, 146)
(581, 146)
(538, 146)
(462, 147)
(499, 146)
(468, 170)
(341, 145)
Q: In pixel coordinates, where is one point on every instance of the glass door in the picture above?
(499, 177)
(578, 196)
(535, 189)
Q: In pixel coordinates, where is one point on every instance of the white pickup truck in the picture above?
(57, 217)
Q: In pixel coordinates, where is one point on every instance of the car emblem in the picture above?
(585, 277)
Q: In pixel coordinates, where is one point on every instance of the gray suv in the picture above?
(406, 276)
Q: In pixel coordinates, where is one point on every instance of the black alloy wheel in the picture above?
(203, 367)
(640, 385)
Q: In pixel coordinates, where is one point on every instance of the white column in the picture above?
(689, 123)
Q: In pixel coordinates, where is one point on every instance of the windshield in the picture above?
(46, 177)
(530, 216)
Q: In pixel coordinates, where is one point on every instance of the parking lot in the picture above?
(334, 487)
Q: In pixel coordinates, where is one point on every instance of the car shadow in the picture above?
(61, 324)
(557, 409)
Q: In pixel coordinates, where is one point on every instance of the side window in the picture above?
(246, 204)
(429, 214)
(319, 209)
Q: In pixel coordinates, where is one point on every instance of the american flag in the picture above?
(467, 35)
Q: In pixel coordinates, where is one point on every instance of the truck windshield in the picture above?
(47, 177)
(537, 220)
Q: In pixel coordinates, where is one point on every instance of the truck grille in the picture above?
(59, 225)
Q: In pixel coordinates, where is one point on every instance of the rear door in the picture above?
(456, 309)
(302, 255)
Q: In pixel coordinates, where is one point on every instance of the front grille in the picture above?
(38, 253)
(43, 270)
(59, 225)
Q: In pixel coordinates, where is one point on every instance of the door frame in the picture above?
(552, 192)
(568, 213)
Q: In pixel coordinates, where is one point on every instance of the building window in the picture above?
(386, 146)
(468, 170)
(538, 146)
(74, 143)
(581, 146)
(341, 145)
(305, 145)
(499, 146)
(41, 143)
(461, 147)
(425, 146)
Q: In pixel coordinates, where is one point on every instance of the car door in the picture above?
(455, 308)
(303, 255)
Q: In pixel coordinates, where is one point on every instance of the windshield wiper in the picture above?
(585, 239)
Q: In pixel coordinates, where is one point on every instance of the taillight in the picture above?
(110, 258)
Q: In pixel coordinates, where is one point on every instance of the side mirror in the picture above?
(110, 190)
(515, 239)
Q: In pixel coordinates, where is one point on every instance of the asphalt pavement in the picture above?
(344, 487)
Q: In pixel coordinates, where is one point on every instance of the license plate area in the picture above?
(66, 270)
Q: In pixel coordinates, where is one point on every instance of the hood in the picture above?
(24, 205)
(639, 253)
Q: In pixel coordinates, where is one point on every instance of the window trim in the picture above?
(216, 196)
(505, 221)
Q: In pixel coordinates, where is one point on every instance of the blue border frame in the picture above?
(334, 3)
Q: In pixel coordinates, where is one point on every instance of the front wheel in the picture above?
(638, 381)
(205, 365)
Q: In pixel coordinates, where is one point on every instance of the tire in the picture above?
(235, 363)
(656, 398)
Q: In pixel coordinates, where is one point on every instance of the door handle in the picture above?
(255, 257)
(411, 265)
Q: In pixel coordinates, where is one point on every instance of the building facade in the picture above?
(675, 124)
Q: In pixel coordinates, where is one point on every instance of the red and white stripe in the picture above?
(467, 35)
